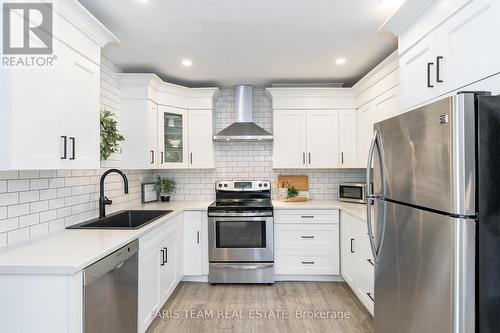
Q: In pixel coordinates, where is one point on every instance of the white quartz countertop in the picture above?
(69, 251)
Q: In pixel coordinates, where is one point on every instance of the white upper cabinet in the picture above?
(468, 52)
(201, 147)
(322, 139)
(366, 119)
(50, 114)
(173, 137)
(388, 105)
(289, 146)
(165, 126)
(444, 47)
(348, 138)
(139, 120)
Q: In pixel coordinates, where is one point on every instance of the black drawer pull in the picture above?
(307, 216)
(65, 147)
(371, 297)
(371, 262)
(438, 69)
(429, 65)
(307, 237)
(73, 154)
(162, 257)
(166, 254)
(308, 262)
(352, 245)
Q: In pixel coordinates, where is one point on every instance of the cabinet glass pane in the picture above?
(173, 140)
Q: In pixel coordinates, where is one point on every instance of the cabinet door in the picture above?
(289, 146)
(347, 252)
(322, 139)
(365, 120)
(80, 88)
(192, 243)
(173, 137)
(149, 284)
(201, 147)
(168, 269)
(468, 51)
(387, 104)
(347, 138)
(416, 76)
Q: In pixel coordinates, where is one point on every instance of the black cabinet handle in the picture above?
(371, 297)
(303, 158)
(163, 257)
(191, 157)
(73, 154)
(429, 65)
(162, 159)
(342, 157)
(65, 147)
(152, 156)
(166, 254)
(371, 262)
(198, 237)
(438, 70)
(307, 216)
(309, 158)
(308, 262)
(307, 237)
(352, 245)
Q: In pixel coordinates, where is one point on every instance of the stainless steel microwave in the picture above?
(352, 192)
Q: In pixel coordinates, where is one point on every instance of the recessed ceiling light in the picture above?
(187, 63)
(340, 61)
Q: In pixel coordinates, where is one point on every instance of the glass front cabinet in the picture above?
(173, 137)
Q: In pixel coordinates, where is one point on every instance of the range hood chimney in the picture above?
(243, 129)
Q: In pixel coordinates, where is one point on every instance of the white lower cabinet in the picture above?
(195, 243)
(160, 269)
(306, 242)
(356, 258)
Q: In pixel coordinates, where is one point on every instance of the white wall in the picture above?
(251, 160)
(34, 203)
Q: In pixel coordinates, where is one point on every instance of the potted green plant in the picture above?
(110, 137)
(164, 186)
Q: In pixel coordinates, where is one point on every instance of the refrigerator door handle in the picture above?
(371, 196)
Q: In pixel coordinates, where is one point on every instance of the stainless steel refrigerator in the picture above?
(435, 232)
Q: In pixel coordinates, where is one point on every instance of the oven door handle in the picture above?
(245, 267)
(241, 214)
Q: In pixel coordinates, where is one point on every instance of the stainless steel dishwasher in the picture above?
(110, 292)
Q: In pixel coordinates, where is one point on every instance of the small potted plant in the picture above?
(164, 186)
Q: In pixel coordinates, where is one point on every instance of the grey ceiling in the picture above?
(256, 42)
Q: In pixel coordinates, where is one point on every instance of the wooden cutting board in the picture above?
(301, 183)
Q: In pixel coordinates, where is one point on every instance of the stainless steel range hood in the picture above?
(244, 129)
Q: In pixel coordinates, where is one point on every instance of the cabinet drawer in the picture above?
(311, 236)
(306, 262)
(306, 216)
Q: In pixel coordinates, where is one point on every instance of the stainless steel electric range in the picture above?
(240, 232)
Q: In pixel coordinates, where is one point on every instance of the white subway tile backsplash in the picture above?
(39, 184)
(39, 206)
(48, 216)
(3, 239)
(30, 196)
(9, 199)
(28, 174)
(28, 220)
(18, 185)
(9, 174)
(9, 224)
(56, 225)
(3, 186)
(18, 210)
(39, 230)
(18, 235)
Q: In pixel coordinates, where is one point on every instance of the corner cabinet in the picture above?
(165, 126)
(173, 137)
(50, 115)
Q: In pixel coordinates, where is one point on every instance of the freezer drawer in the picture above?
(424, 278)
(428, 156)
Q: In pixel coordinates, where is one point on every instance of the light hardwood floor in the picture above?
(201, 307)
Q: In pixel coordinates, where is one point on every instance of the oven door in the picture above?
(241, 239)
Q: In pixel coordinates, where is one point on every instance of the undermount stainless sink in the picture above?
(123, 220)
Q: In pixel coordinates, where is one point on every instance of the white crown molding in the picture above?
(403, 16)
(78, 16)
(381, 71)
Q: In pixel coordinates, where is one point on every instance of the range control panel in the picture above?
(243, 185)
